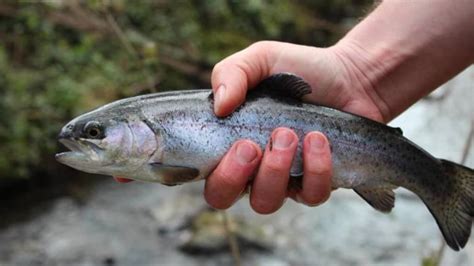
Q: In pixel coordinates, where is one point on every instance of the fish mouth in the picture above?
(79, 151)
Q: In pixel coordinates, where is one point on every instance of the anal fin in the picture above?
(381, 198)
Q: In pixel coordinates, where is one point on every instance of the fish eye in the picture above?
(93, 130)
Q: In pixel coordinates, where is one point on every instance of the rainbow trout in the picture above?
(174, 138)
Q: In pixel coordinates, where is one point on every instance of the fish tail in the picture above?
(454, 212)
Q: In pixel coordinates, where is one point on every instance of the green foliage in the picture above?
(61, 58)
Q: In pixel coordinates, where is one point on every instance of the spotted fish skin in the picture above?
(369, 157)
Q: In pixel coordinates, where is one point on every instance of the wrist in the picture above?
(365, 69)
(398, 61)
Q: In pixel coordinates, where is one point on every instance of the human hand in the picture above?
(335, 83)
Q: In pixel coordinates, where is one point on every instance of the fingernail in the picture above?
(246, 153)
(219, 97)
(282, 139)
(317, 142)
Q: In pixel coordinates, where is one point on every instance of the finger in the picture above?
(229, 179)
(233, 76)
(317, 170)
(122, 179)
(270, 185)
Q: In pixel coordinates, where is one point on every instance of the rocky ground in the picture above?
(149, 224)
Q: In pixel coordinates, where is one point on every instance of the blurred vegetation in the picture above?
(60, 58)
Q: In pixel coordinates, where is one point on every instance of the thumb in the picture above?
(233, 76)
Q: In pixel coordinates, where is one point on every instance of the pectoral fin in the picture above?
(174, 175)
(382, 199)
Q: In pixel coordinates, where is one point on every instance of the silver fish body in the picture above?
(175, 137)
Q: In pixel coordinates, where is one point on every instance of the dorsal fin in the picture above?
(284, 85)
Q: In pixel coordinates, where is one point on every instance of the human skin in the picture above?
(399, 53)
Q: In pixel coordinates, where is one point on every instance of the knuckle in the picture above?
(226, 179)
(261, 45)
(217, 69)
(322, 171)
(241, 91)
(320, 166)
(275, 168)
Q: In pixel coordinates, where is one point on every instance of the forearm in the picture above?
(405, 49)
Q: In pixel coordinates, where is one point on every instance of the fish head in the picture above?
(106, 143)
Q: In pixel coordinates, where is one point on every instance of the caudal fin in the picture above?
(455, 212)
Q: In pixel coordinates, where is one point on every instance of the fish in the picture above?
(174, 138)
